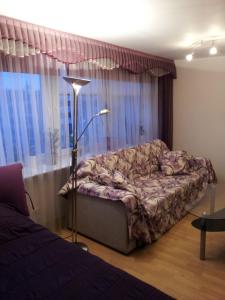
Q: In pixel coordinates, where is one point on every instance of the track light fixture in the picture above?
(201, 44)
(213, 49)
(189, 57)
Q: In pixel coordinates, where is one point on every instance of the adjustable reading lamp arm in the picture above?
(102, 112)
(86, 128)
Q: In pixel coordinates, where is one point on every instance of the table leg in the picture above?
(202, 244)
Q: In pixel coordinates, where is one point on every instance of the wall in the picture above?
(199, 109)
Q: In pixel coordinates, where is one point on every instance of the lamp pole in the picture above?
(74, 166)
(77, 83)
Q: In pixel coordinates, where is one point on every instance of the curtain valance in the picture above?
(21, 39)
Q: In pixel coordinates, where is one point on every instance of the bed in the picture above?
(37, 264)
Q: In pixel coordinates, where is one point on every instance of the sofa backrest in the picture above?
(143, 159)
(139, 160)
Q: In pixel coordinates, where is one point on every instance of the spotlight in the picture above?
(213, 50)
(189, 57)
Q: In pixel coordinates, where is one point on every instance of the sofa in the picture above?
(132, 196)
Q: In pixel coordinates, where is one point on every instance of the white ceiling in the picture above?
(162, 27)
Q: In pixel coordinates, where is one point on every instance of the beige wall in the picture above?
(199, 109)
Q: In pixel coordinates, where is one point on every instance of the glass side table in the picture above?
(210, 213)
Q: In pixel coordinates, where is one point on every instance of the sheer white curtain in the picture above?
(132, 100)
(36, 111)
(34, 129)
(33, 110)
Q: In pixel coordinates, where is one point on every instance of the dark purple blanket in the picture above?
(36, 264)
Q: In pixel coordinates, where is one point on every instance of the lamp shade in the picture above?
(76, 81)
(103, 112)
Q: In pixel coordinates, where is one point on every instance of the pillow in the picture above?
(174, 162)
(12, 191)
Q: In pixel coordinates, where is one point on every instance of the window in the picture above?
(36, 117)
(66, 121)
(21, 115)
(89, 104)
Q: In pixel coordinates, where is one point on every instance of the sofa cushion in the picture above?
(174, 163)
(122, 182)
(110, 178)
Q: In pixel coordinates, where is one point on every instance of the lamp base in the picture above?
(81, 245)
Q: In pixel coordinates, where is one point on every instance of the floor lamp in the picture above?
(77, 83)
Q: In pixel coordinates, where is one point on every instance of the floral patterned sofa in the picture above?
(154, 185)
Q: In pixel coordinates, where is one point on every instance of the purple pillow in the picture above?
(12, 191)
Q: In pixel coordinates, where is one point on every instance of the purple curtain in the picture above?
(165, 109)
(20, 38)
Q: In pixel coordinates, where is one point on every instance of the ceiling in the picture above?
(162, 27)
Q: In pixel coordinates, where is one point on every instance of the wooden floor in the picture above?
(172, 263)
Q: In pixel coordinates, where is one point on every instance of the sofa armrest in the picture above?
(199, 162)
(92, 188)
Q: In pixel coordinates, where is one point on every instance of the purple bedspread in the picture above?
(37, 264)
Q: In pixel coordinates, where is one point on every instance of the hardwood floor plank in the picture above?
(172, 263)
